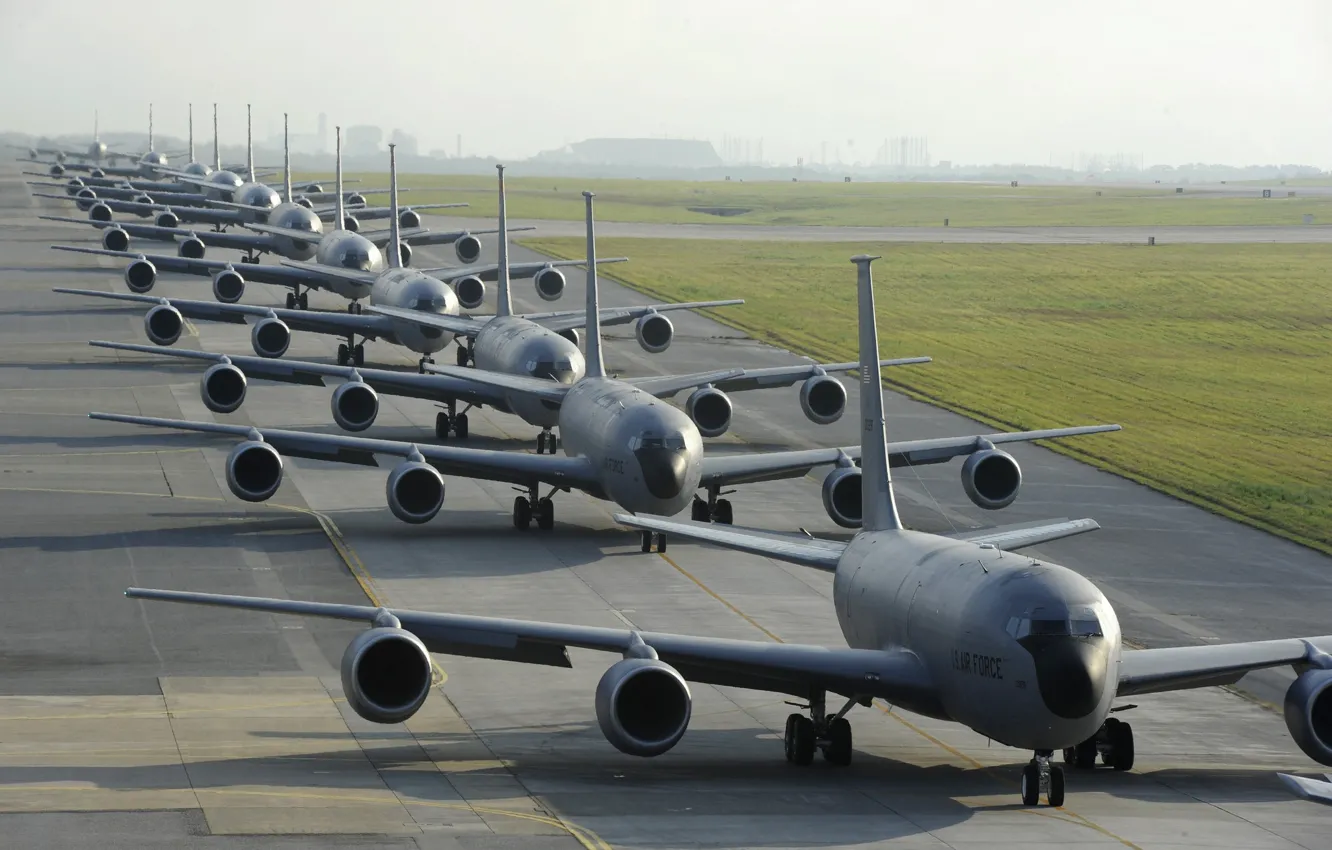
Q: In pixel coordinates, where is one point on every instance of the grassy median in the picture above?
(1217, 359)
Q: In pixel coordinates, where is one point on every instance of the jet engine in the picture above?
(305, 202)
(99, 212)
(841, 496)
(163, 325)
(470, 290)
(991, 478)
(57, 170)
(468, 249)
(313, 188)
(222, 388)
(405, 253)
(654, 332)
(1308, 710)
(415, 491)
(355, 199)
(549, 283)
(167, 218)
(710, 409)
(228, 286)
(409, 219)
(85, 199)
(270, 337)
(97, 173)
(386, 674)
(254, 471)
(140, 275)
(73, 186)
(643, 706)
(570, 334)
(355, 405)
(115, 239)
(142, 199)
(823, 399)
(351, 224)
(191, 248)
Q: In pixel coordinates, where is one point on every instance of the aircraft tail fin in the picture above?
(395, 235)
(97, 136)
(339, 211)
(249, 146)
(150, 128)
(879, 510)
(503, 304)
(217, 152)
(286, 159)
(596, 365)
(191, 119)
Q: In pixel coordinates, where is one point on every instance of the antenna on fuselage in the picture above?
(503, 306)
(395, 237)
(286, 158)
(879, 510)
(596, 367)
(337, 180)
(217, 153)
(249, 145)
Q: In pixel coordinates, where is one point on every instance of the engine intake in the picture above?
(254, 471)
(415, 492)
(167, 218)
(57, 170)
(823, 399)
(643, 706)
(163, 324)
(270, 337)
(468, 249)
(351, 224)
(710, 409)
(471, 292)
(654, 333)
(143, 199)
(191, 248)
(991, 478)
(99, 212)
(222, 388)
(570, 334)
(140, 275)
(355, 405)
(1308, 710)
(115, 239)
(386, 674)
(549, 283)
(85, 199)
(841, 497)
(405, 253)
(355, 199)
(409, 219)
(228, 286)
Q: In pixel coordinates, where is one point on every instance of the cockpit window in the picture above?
(1078, 621)
(648, 441)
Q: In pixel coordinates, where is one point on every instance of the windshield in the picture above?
(651, 441)
(1078, 621)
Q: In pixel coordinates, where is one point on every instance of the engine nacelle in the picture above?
(409, 219)
(167, 218)
(823, 399)
(254, 471)
(841, 497)
(405, 253)
(99, 212)
(222, 388)
(415, 491)
(355, 405)
(710, 409)
(571, 334)
(191, 248)
(228, 286)
(386, 674)
(140, 275)
(73, 186)
(97, 173)
(313, 188)
(351, 224)
(549, 284)
(468, 249)
(654, 333)
(163, 324)
(991, 478)
(85, 199)
(115, 239)
(471, 292)
(57, 170)
(270, 337)
(142, 199)
(305, 202)
(643, 706)
(1308, 710)
(356, 199)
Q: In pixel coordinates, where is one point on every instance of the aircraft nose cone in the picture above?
(1070, 672)
(663, 470)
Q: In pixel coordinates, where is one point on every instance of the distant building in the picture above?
(405, 141)
(648, 153)
(361, 140)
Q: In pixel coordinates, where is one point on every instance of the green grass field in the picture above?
(1216, 359)
(865, 204)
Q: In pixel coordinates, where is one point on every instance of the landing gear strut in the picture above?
(351, 355)
(1113, 742)
(464, 353)
(530, 507)
(449, 421)
(713, 510)
(547, 442)
(421, 364)
(354, 308)
(1041, 777)
(298, 300)
(832, 734)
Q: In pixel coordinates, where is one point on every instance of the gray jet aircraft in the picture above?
(1024, 652)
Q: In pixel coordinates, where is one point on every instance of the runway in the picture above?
(177, 727)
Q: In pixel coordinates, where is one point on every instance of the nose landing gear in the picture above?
(351, 355)
(464, 354)
(1040, 777)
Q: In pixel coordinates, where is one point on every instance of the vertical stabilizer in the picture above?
(503, 304)
(337, 181)
(191, 132)
(249, 145)
(97, 136)
(286, 159)
(395, 234)
(596, 366)
(876, 483)
(150, 129)
(217, 152)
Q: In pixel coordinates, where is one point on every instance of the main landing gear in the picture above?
(713, 510)
(421, 364)
(832, 734)
(298, 301)
(1113, 742)
(351, 355)
(355, 308)
(529, 508)
(654, 536)
(464, 354)
(449, 421)
(547, 442)
(1040, 777)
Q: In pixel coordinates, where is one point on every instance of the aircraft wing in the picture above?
(1010, 538)
(287, 371)
(326, 272)
(772, 466)
(185, 213)
(369, 213)
(665, 386)
(576, 319)
(543, 389)
(258, 272)
(333, 322)
(776, 376)
(795, 669)
(458, 325)
(212, 238)
(490, 271)
(289, 232)
(797, 549)
(1150, 671)
(485, 464)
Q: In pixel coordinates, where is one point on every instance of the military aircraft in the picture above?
(98, 162)
(621, 443)
(953, 627)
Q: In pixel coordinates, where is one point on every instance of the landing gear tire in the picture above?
(647, 541)
(1031, 785)
(1083, 756)
(358, 355)
(698, 511)
(303, 301)
(344, 355)
(722, 513)
(522, 513)
(460, 426)
(1119, 736)
(1055, 794)
(442, 425)
(545, 514)
(541, 443)
(291, 301)
(463, 357)
(799, 741)
(837, 750)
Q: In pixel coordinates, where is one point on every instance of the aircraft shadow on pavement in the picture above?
(282, 533)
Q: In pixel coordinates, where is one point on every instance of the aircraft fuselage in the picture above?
(517, 346)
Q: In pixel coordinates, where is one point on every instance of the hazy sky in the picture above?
(1022, 80)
